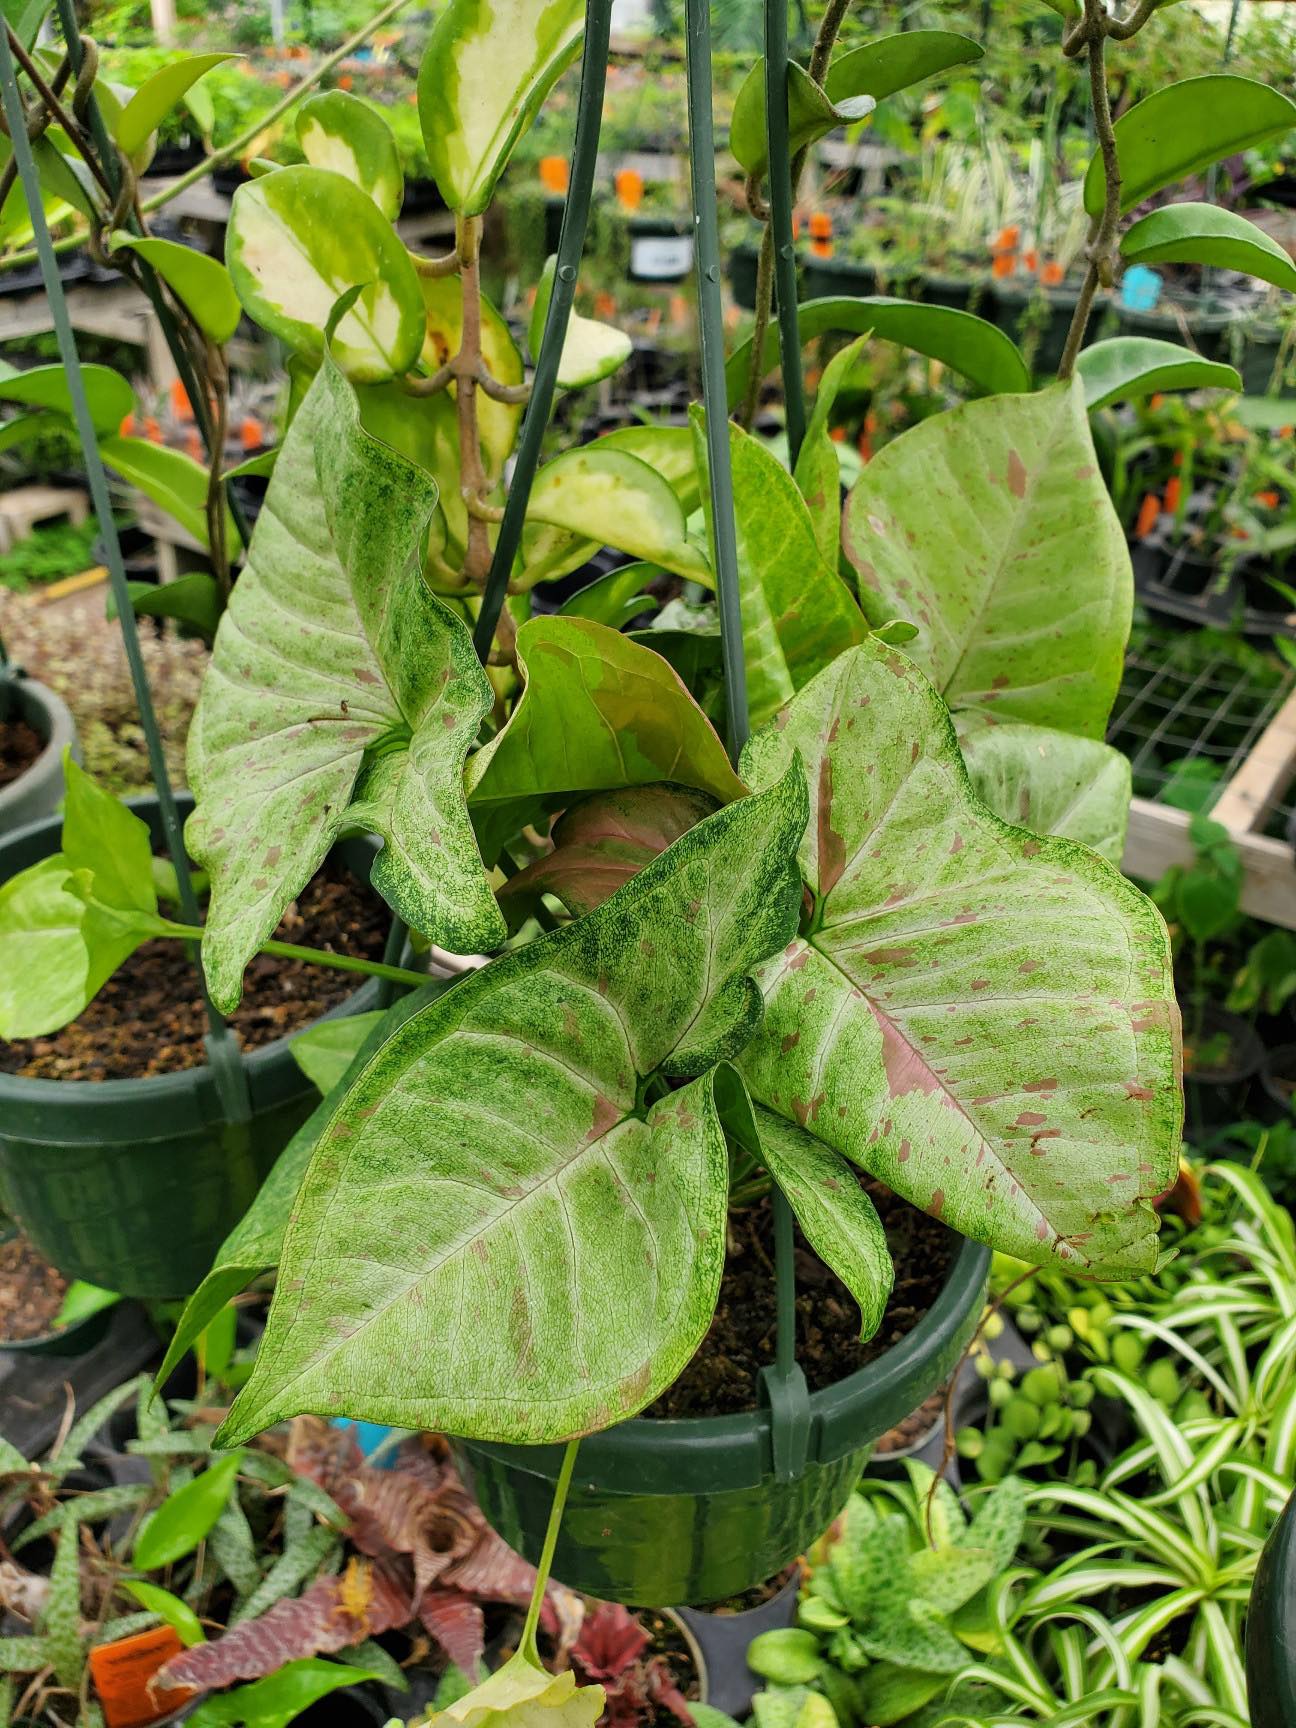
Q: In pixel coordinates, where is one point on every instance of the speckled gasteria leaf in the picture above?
(498, 1235)
(971, 525)
(340, 694)
(982, 1018)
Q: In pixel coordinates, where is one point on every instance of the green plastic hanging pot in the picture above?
(1271, 1628)
(39, 791)
(664, 1513)
(134, 1184)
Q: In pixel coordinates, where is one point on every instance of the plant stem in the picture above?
(466, 365)
(314, 957)
(528, 1643)
(1103, 237)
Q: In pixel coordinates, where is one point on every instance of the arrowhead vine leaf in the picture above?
(341, 694)
(983, 1019)
(497, 1177)
(1050, 782)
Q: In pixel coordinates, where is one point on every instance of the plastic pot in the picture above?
(718, 1644)
(661, 249)
(1278, 1077)
(1271, 1628)
(663, 1513)
(134, 1184)
(38, 793)
(1217, 1094)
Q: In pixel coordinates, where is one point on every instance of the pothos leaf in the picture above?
(798, 614)
(962, 526)
(339, 131)
(1051, 782)
(983, 1019)
(513, 1115)
(340, 694)
(489, 65)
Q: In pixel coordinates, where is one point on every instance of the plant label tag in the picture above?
(661, 257)
(122, 1670)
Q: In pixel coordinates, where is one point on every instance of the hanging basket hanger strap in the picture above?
(222, 1046)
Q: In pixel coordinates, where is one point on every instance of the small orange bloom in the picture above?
(629, 186)
(1269, 499)
(1004, 265)
(1030, 261)
(553, 174)
(1051, 274)
(1173, 494)
(1149, 510)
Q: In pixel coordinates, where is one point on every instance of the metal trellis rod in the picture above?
(222, 1046)
(571, 243)
(781, 193)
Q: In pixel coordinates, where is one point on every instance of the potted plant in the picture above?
(35, 730)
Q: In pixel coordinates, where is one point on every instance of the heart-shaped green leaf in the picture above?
(965, 524)
(1050, 782)
(983, 1019)
(1183, 128)
(892, 63)
(1205, 234)
(201, 283)
(488, 67)
(173, 480)
(511, 1122)
(797, 612)
(1125, 367)
(978, 350)
(591, 350)
(339, 131)
(108, 394)
(297, 241)
(811, 115)
(158, 95)
(341, 694)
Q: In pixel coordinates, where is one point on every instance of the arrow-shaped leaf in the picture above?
(1050, 782)
(463, 1239)
(983, 1019)
(340, 694)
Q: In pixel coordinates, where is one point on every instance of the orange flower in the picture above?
(180, 404)
(1004, 265)
(1051, 274)
(604, 304)
(1269, 499)
(1007, 240)
(345, 81)
(1030, 261)
(251, 433)
(127, 427)
(1173, 494)
(1149, 510)
(152, 430)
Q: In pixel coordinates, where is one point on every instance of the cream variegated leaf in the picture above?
(1050, 782)
(500, 1234)
(340, 694)
(982, 1018)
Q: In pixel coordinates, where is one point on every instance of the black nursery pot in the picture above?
(690, 1510)
(1271, 1628)
(1278, 1078)
(39, 792)
(134, 1184)
(1217, 1095)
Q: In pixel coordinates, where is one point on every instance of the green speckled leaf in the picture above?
(489, 65)
(613, 498)
(297, 241)
(983, 1019)
(798, 614)
(493, 1185)
(1050, 782)
(598, 712)
(343, 133)
(61, 1622)
(340, 694)
(818, 470)
(970, 525)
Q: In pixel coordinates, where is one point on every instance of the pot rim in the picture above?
(30, 696)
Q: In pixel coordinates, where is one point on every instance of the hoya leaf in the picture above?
(174, 481)
(616, 598)
(600, 843)
(339, 131)
(1205, 234)
(1125, 367)
(108, 394)
(201, 283)
(497, 1144)
(488, 67)
(253, 1246)
(818, 471)
(838, 1219)
(158, 95)
(66, 178)
(497, 422)
(192, 599)
(260, 466)
(1051, 782)
(326, 1050)
(186, 1516)
(340, 694)
(612, 498)
(297, 241)
(279, 1698)
(598, 712)
(983, 1019)
(964, 526)
(973, 347)
(812, 114)
(172, 1610)
(892, 63)
(797, 613)
(22, 429)
(1182, 128)
(590, 351)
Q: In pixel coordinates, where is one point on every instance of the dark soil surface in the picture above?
(20, 745)
(916, 1426)
(756, 1597)
(148, 1018)
(31, 1291)
(722, 1377)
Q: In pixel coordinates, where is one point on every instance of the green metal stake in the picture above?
(784, 1385)
(780, 198)
(571, 243)
(221, 1045)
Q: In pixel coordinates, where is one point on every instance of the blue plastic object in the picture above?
(1140, 288)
